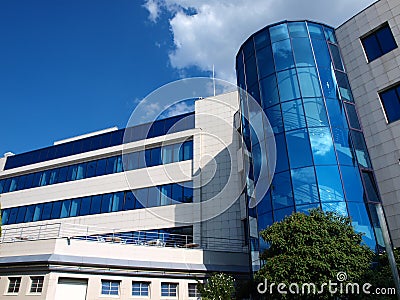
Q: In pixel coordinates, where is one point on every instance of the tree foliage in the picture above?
(313, 249)
(219, 286)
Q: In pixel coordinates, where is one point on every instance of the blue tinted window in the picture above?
(62, 175)
(379, 43)
(265, 205)
(288, 85)
(166, 194)
(46, 215)
(65, 207)
(298, 29)
(293, 115)
(283, 55)
(95, 206)
(304, 186)
(337, 60)
(361, 223)
(254, 91)
(91, 169)
(305, 209)
(261, 39)
(81, 171)
(344, 86)
(330, 34)
(106, 203)
(337, 115)
(109, 287)
(278, 32)
(322, 146)
(361, 149)
(265, 62)
(21, 182)
(141, 196)
(131, 161)
(315, 112)
(75, 207)
(302, 52)
(85, 206)
(352, 116)
(13, 215)
(129, 201)
(38, 212)
(45, 179)
(316, 31)
(153, 197)
(280, 214)
(167, 154)
(321, 53)
(1, 185)
(177, 192)
(30, 210)
(188, 150)
(329, 183)
(188, 192)
(281, 192)
(7, 183)
(269, 91)
(13, 184)
(299, 148)
(5, 213)
(352, 184)
(281, 153)
(309, 83)
(118, 201)
(72, 170)
(101, 167)
(370, 186)
(111, 164)
(391, 103)
(344, 150)
(337, 207)
(55, 212)
(274, 116)
(248, 49)
(156, 156)
(36, 179)
(53, 176)
(251, 71)
(21, 214)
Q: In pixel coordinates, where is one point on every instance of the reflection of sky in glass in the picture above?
(337, 207)
(329, 183)
(322, 146)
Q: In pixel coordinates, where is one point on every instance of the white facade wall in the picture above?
(366, 80)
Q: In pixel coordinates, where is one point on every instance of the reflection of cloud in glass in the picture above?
(178, 109)
(321, 142)
(337, 207)
(303, 175)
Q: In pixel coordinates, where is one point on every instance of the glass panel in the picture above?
(386, 39)
(21, 182)
(167, 154)
(265, 62)
(166, 194)
(251, 71)
(111, 165)
(344, 150)
(316, 31)
(298, 29)
(282, 163)
(13, 184)
(36, 179)
(309, 83)
(38, 212)
(7, 183)
(281, 191)
(352, 116)
(337, 60)
(29, 213)
(329, 184)
(305, 208)
(101, 167)
(330, 34)
(156, 156)
(81, 170)
(288, 85)
(28, 182)
(118, 201)
(352, 184)
(188, 192)
(177, 192)
(315, 112)
(65, 207)
(106, 203)
(153, 198)
(370, 186)
(283, 55)
(75, 207)
(322, 146)
(275, 118)
(47, 211)
(131, 161)
(91, 169)
(304, 186)
(54, 176)
(371, 47)
(1, 185)
(5, 213)
(344, 86)
(188, 150)
(302, 52)
(336, 113)
(278, 32)
(265, 205)
(248, 49)
(72, 170)
(361, 149)
(391, 104)
(299, 148)
(119, 164)
(321, 53)
(337, 207)
(95, 205)
(293, 115)
(361, 222)
(141, 196)
(55, 212)
(21, 214)
(129, 201)
(85, 206)
(261, 39)
(280, 214)
(13, 215)
(269, 91)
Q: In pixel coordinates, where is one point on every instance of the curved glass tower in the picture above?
(295, 72)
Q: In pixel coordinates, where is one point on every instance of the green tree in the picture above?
(313, 248)
(219, 286)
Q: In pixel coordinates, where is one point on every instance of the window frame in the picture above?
(396, 89)
(169, 287)
(36, 287)
(110, 288)
(14, 287)
(142, 284)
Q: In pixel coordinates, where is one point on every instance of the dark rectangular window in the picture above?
(21, 214)
(96, 204)
(140, 289)
(91, 169)
(101, 167)
(193, 292)
(85, 206)
(379, 42)
(129, 201)
(29, 213)
(169, 289)
(36, 284)
(391, 103)
(46, 215)
(62, 175)
(14, 285)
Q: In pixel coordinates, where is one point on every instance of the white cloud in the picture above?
(210, 32)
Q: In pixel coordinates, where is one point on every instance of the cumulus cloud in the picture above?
(210, 32)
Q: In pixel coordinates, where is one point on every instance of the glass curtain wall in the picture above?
(295, 72)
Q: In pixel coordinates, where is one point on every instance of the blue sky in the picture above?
(69, 67)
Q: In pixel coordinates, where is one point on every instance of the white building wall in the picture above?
(366, 80)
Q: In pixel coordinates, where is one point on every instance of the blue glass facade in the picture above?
(295, 72)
